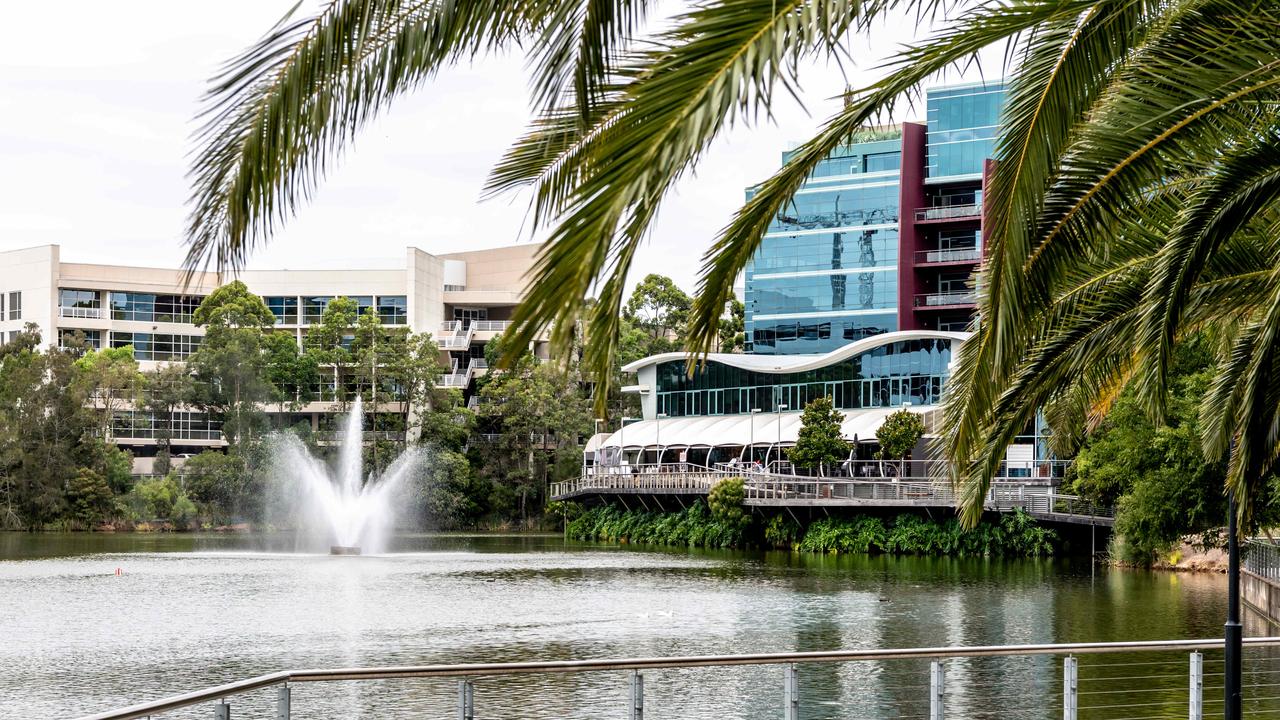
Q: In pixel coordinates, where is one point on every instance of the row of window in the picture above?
(840, 207)
(391, 309)
(142, 424)
(855, 164)
(899, 359)
(150, 307)
(846, 395)
(877, 290)
(15, 306)
(157, 346)
(826, 251)
(792, 337)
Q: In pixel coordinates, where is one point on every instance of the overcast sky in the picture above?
(97, 101)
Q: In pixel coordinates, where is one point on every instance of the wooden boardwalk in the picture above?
(676, 482)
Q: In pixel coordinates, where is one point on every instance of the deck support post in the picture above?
(937, 690)
(790, 693)
(1195, 705)
(283, 698)
(222, 711)
(466, 700)
(1070, 688)
(636, 706)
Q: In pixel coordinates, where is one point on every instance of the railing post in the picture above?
(1070, 682)
(1195, 706)
(937, 691)
(222, 711)
(466, 700)
(790, 693)
(637, 696)
(282, 702)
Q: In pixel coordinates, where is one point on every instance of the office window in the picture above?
(313, 308)
(92, 338)
(15, 305)
(153, 346)
(1, 309)
(148, 307)
(285, 309)
(880, 162)
(393, 309)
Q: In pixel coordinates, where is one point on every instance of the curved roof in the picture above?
(799, 363)
(736, 430)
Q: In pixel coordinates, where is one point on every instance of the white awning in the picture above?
(741, 430)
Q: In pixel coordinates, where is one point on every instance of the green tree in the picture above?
(230, 368)
(294, 374)
(732, 337)
(165, 390)
(90, 498)
(47, 431)
(111, 379)
(329, 342)
(659, 307)
(218, 483)
(899, 434)
(725, 502)
(820, 442)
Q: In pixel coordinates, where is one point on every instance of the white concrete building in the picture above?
(463, 299)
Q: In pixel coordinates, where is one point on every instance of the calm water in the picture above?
(191, 611)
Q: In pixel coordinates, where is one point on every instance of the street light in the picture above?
(781, 407)
(657, 437)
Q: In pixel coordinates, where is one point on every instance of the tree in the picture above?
(820, 442)
(659, 307)
(230, 367)
(90, 497)
(164, 391)
(111, 379)
(219, 484)
(732, 335)
(329, 342)
(899, 434)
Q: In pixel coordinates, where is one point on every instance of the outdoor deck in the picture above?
(665, 487)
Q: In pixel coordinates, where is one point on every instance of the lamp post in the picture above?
(657, 437)
(752, 451)
(1232, 629)
(781, 407)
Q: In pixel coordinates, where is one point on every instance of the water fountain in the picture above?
(349, 511)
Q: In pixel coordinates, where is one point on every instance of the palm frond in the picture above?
(282, 111)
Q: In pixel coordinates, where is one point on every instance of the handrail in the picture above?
(175, 702)
(948, 212)
(941, 299)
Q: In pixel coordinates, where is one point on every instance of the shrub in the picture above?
(725, 500)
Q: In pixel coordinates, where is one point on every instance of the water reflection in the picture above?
(196, 610)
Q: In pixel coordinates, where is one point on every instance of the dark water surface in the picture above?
(189, 611)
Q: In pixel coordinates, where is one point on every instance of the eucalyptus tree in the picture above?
(1137, 158)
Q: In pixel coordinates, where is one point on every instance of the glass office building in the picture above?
(826, 271)
(963, 122)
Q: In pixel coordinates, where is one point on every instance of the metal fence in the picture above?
(1114, 680)
(1262, 558)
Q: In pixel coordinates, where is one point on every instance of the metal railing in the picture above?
(1262, 558)
(944, 299)
(79, 312)
(1095, 691)
(946, 256)
(490, 325)
(949, 212)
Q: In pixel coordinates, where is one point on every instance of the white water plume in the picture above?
(339, 507)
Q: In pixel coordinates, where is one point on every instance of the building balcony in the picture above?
(953, 256)
(948, 213)
(945, 300)
(80, 312)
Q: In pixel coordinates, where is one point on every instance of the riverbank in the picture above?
(697, 526)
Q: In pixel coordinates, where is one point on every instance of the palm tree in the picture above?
(1131, 200)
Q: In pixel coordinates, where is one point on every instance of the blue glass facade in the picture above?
(912, 371)
(826, 270)
(963, 123)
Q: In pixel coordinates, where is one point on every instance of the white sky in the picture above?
(97, 103)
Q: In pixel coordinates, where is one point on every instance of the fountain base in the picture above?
(344, 550)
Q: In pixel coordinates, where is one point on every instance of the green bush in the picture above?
(782, 532)
(1017, 534)
(725, 500)
(162, 499)
(694, 526)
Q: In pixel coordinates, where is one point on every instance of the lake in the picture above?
(189, 611)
